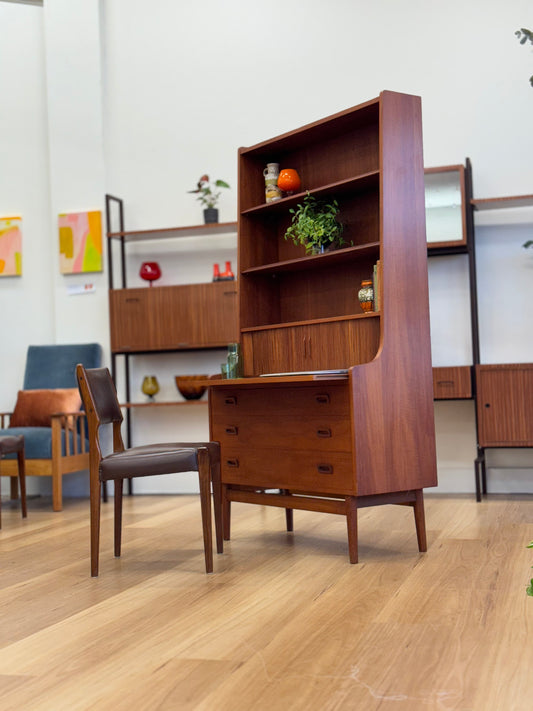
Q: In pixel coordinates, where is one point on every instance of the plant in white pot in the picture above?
(208, 195)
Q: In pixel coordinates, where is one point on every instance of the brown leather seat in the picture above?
(14, 444)
(102, 408)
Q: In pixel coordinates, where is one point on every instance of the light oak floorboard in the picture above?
(285, 622)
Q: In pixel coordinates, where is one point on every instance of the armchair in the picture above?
(61, 447)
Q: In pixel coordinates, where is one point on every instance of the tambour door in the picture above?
(326, 345)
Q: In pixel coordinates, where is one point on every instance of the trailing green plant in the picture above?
(208, 194)
(314, 224)
(524, 36)
(529, 588)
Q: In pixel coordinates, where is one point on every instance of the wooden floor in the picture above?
(284, 623)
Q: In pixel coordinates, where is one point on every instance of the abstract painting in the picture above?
(80, 242)
(10, 246)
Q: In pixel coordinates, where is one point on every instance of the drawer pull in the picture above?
(132, 300)
(325, 468)
(232, 430)
(445, 382)
(232, 463)
(322, 399)
(230, 400)
(323, 432)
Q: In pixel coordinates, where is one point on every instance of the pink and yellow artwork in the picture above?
(80, 242)
(10, 246)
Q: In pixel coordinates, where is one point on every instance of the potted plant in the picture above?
(314, 224)
(208, 195)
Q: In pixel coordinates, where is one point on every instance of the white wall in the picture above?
(186, 83)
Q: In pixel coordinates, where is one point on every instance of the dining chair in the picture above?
(102, 407)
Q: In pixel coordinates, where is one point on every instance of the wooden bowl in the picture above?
(188, 386)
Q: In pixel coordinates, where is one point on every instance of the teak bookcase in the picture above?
(333, 443)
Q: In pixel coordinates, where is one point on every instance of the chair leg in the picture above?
(204, 476)
(420, 521)
(22, 479)
(217, 504)
(119, 486)
(13, 488)
(57, 487)
(95, 523)
(226, 512)
(351, 520)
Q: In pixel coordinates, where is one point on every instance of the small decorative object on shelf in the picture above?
(150, 387)
(272, 191)
(234, 361)
(366, 295)
(208, 196)
(227, 275)
(216, 272)
(314, 224)
(150, 271)
(189, 386)
(289, 181)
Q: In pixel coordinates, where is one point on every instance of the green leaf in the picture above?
(529, 589)
(530, 544)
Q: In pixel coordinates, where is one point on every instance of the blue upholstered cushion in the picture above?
(55, 366)
(38, 442)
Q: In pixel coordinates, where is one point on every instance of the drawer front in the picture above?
(317, 401)
(452, 383)
(299, 470)
(317, 434)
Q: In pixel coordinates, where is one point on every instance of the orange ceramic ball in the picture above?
(289, 180)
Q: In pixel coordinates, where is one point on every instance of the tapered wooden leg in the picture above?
(204, 475)
(22, 479)
(13, 488)
(217, 503)
(420, 521)
(119, 487)
(57, 477)
(289, 513)
(226, 512)
(95, 490)
(351, 520)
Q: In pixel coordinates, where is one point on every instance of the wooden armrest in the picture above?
(76, 414)
(3, 416)
(72, 424)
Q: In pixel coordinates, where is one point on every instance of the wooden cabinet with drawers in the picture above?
(310, 425)
(364, 434)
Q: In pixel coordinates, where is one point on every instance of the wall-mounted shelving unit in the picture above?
(181, 317)
(503, 393)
